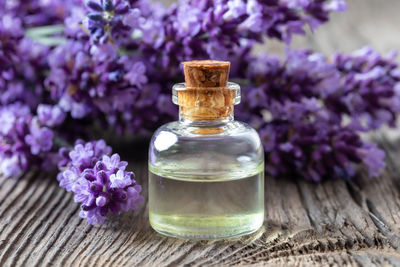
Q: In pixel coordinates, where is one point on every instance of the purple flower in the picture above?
(63, 157)
(136, 74)
(110, 20)
(82, 156)
(336, 5)
(132, 19)
(10, 166)
(114, 162)
(37, 13)
(153, 32)
(133, 198)
(368, 88)
(253, 23)
(187, 21)
(22, 63)
(267, 135)
(101, 201)
(68, 178)
(257, 97)
(82, 192)
(50, 115)
(216, 51)
(236, 8)
(7, 120)
(99, 181)
(373, 158)
(78, 109)
(120, 179)
(93, 216)
(39, 139)
(23, 143)
(101, 149)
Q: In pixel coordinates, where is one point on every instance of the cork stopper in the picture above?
(206, 73)
(206, 94)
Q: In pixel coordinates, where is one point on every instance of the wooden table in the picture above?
(337, 222)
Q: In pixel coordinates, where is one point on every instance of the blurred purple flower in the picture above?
(39, 138)
(50, 115)
(136, 74)
(307, 100)
(22, 140)
(373, 158)
(38, 12)
(11, 166)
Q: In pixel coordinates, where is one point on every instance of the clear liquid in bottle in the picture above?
(201, 208)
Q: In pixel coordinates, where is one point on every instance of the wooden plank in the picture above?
(337, 222)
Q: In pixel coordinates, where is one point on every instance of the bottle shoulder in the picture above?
(233, 147)
(232, 128)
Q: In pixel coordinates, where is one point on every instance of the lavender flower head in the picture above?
(24, 142)
(39, 138)
(299, 107)
(110, 21)
(22, 63)
(99, 181)
(14, 152)
(369, 91)
(38, 12)
(50, 115)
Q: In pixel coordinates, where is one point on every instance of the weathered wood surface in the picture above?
(334, 223)
(337, 222)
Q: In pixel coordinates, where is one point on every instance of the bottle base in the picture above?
(206, 227)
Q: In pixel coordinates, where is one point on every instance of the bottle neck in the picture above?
(204, 122)
(206, 119)
(205, 126)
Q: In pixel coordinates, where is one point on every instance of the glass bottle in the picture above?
(206, 171)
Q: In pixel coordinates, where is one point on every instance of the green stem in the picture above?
(44, 34)
(44, 30)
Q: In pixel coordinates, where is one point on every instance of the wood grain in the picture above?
(334, 223)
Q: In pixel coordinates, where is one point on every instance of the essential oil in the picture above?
(206, 171)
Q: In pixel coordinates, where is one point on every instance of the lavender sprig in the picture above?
(37, 12)
(25, 142)
(369, 90)
(22, 63)
(98, 180)
(304, 143)
(301, 107)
